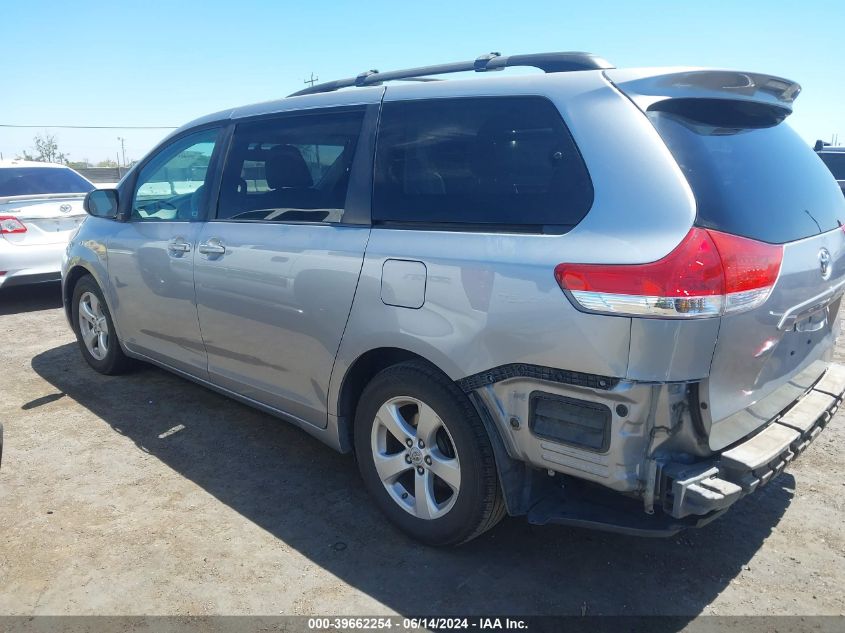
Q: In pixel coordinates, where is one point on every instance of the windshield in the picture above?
(835, 163)
(24, 181)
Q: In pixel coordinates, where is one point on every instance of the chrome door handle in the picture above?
(212, 247)
(178, 246)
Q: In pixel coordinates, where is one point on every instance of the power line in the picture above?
(96, 127)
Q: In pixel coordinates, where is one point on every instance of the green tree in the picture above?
(46, 150)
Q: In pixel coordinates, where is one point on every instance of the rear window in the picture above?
(24, 181)
(835, 163)
(507, 161)
(763, 182)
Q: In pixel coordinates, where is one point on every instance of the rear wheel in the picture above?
(94, 329)
(425, 456)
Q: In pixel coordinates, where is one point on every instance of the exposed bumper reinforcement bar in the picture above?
(586, 505)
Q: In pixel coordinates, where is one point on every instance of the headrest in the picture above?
(286, 168)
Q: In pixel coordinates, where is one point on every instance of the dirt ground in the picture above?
(147, 494)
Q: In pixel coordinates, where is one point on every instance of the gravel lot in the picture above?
(146, 494)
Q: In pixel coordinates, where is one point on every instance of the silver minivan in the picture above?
(591, 296)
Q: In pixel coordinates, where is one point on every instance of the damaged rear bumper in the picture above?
(577, 453)
(712, 486)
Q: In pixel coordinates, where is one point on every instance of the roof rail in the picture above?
(547, 62)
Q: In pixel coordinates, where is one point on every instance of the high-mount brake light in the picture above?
(708, 274)
(10, 224)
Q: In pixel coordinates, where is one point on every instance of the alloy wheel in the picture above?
(415, 457)
(93, 325)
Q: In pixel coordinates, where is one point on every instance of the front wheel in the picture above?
(425, 456)
(94, 329)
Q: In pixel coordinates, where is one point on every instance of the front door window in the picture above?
(173, 186)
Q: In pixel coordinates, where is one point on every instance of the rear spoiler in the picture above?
(649, 86)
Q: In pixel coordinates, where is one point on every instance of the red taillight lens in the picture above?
(692, 269)
(707, 274)
(748, 264)
(10, 224)
(751, 270)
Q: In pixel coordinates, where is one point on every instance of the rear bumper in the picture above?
(30, 264)
(717, 483)
(659, 497)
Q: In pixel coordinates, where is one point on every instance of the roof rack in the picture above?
(547, 62)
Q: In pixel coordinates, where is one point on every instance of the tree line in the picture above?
(45, 149)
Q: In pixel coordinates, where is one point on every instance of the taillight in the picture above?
(10, 224)
(709, 273)
(751, 270)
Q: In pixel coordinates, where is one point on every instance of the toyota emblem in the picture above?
(825, 266)
(65, 208)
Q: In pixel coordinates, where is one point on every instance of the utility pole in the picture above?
(122, 151)
(311, 81)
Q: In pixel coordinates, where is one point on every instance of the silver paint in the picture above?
(153, 287)
(272, 308)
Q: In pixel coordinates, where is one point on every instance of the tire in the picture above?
(105, 354)
(416, 401)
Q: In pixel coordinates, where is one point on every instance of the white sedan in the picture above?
(40, 208)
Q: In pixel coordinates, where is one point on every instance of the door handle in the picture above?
(178, 246)
(212, 247)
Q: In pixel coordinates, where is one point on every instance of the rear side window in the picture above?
(24, 181)
(293, 168)
(506, 161)
(763, 182)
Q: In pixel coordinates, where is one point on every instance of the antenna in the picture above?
(311, 80)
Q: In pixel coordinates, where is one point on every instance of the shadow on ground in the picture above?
(310, 497)
(19, 299)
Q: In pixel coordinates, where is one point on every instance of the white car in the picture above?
(40, 208)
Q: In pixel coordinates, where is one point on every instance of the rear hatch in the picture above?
(753, 176)
(48, 219)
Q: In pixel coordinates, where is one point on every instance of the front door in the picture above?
(276, 271)
(150, 257)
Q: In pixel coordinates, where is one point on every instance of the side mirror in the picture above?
(102, 203)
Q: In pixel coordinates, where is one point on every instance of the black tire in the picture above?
(115, 361)
(478, 505)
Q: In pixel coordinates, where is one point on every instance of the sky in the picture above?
(157, 63)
